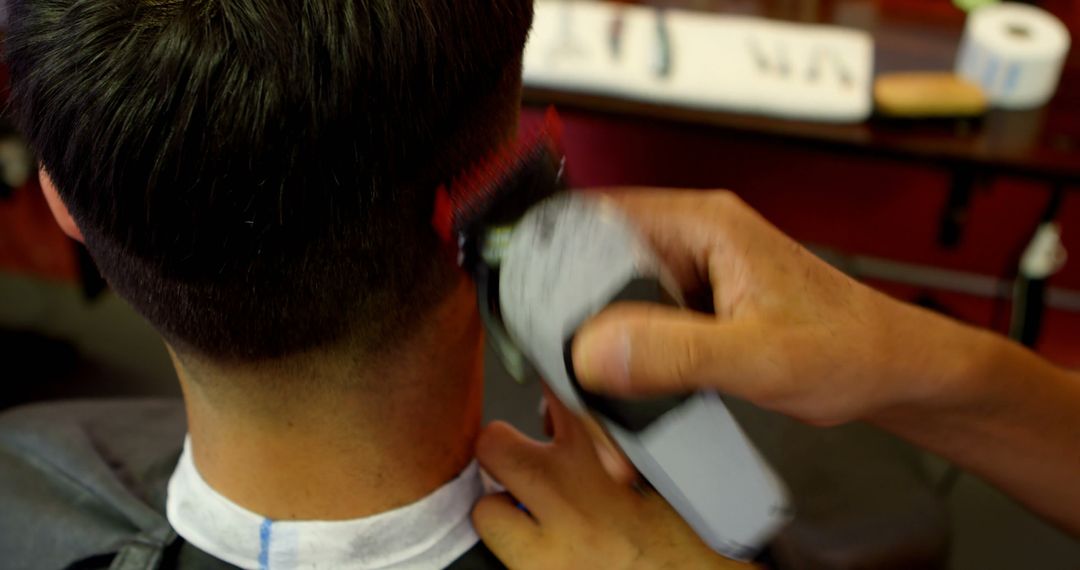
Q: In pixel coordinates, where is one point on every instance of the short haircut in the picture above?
(257, 177)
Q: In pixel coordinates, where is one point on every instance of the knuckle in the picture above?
(724, 196)
(492, 440)
(727, 200)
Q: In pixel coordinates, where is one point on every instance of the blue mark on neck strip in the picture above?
(264, 544)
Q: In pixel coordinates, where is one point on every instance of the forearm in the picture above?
(997, 410)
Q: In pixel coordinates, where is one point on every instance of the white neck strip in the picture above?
(430, 533)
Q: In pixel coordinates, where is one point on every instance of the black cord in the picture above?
(1029, 295)
(1011, 272)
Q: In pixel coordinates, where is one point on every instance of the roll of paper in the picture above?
(1015, 52)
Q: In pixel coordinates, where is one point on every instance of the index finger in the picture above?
(697, 234)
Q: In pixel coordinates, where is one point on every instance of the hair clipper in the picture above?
(568, 258)
(561, 258)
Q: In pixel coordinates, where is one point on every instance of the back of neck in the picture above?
(330, 448)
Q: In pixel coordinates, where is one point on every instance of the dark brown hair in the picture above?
(256, 176)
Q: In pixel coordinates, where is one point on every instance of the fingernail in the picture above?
(602, 357)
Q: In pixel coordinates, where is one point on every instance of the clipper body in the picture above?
(571, 256)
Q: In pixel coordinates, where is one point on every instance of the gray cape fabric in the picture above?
(80, 480)
(83, 485)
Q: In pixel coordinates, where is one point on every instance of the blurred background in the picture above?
(930, 187)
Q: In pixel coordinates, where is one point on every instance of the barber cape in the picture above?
(84, 485)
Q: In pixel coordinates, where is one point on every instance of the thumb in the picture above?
(639, 349)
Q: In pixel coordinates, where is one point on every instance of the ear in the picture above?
(59, 210)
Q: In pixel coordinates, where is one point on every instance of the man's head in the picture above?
(257, 176)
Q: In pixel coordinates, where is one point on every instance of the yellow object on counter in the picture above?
(927, 94)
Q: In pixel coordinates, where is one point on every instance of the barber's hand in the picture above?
(789, 333)
(578, 515)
